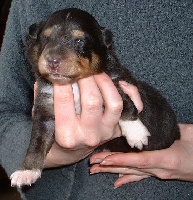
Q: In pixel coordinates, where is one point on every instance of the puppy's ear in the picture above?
(35, 29)
(107, 37)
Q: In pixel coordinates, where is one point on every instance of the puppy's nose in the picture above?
(53, 62)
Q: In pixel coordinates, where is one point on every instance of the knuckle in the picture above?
(67, 142)
(93, 104)
(116, 107)
(93, 142)
(145, 162)
(165, 175)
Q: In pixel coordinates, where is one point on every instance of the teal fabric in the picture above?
(154, 39)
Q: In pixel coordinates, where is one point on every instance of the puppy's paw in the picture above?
(24, 177)
(135, 132)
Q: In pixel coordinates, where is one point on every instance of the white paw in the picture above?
(24, 177)
(135, 132)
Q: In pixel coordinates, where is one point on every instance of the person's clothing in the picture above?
(154, 39)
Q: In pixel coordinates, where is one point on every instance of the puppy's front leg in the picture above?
(132, 127)
(41, 141)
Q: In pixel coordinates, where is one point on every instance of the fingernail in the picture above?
(94, 172)
(107, 163)
(96, 161)
(117, 186)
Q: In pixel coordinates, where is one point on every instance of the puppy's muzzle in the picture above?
(53, 63)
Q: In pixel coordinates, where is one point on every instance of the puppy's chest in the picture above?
(48, 97)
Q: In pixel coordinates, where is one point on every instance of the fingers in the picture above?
(92, 103)
(133, 93)
(162, 164)
(106, 164)
(99, 157)
(128, 179)
(94, 126)
(126, 175)
(112, 99)
(116, 170)
(143, 160)
(95, 92)
(137, 160)
(128, 159)
(91, 115)
(64, 110)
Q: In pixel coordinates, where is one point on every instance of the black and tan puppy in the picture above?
(69, 46)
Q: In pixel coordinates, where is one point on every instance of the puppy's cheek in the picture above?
(42, 65)
(95, 63)
(84, 66)
(89, 68)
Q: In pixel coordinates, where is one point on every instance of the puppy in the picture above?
(69, 46)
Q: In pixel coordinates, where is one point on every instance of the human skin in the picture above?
(76, 136)
(175, 162)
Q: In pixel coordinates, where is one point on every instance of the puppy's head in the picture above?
(70, 45)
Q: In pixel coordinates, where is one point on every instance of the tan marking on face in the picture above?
(42, 66)
(95, 62)
(89, 68)
(70, 64)
(48, 32)
(77, 33)
(84, 67)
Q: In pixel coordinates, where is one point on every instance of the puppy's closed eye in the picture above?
(79, 43)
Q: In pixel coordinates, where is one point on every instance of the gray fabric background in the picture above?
(154, 39)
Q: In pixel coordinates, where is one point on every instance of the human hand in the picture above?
(175, 162)
(76, 136)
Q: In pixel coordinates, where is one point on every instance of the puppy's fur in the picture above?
(69, 46)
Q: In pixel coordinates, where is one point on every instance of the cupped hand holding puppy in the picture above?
(76, 136)
(175, 162)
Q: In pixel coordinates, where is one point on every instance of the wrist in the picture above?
(58, 156)
(55, 157)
